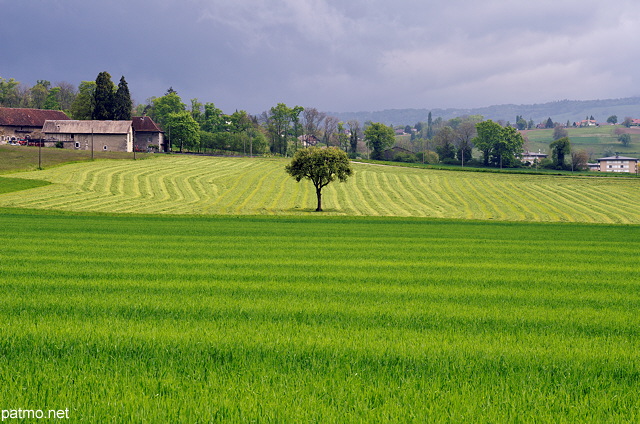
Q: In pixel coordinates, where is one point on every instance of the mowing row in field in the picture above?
(204, 185)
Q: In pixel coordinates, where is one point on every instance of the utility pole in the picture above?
(40, 154)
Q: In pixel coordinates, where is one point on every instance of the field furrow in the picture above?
(209, 185)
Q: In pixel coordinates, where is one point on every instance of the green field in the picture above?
(195, 289)
(23, 158)
(204, 185)
(596, 141)
(318, 319)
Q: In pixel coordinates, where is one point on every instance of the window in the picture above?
(104, 148)
(77, 145)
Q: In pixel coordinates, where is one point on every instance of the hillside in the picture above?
(559, 111)
(243, 186)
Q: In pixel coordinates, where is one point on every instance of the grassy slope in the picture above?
(594, 140)
(23, 158)
(203, 185)
(319, 319)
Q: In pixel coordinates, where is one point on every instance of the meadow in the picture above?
(244, 186)
(148, 318)
(597, 141)
(22, 158)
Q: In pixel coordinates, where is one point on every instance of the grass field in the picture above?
(318, 319)
(22, 158)
(594, 140)
(205, 185)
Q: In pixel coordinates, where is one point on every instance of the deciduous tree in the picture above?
(311, 123)
(625, 139)
(489, 133)
(559, 132)
(164, 106)
(378, 137)
(354, 129)
(579, 160)
(445, 143)
(185, 131)
(82, 105)
(560, 148)
(9, 95)
(464, 140)
(321, 167)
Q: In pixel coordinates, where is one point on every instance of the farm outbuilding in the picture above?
(90, 135)
(146, 134)
(17, 124)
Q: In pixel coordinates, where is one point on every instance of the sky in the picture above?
(334, 55)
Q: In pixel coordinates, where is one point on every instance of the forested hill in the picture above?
(560, 111)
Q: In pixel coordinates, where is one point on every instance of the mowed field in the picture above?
(207, 185)
(127, 319)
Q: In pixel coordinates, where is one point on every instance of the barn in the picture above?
(20, 124)
(90, 135)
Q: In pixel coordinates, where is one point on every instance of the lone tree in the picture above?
(321, 166)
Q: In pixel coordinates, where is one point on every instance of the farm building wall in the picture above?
(145, 139)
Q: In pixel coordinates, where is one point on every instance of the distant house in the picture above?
(618, 164)
(308, 140)
(593, 166)
(87, 135)
(635, 122)
(146, 133)
(532, 157)
(586, 123)
(21, 124)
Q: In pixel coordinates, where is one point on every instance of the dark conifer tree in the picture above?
(103, 97)
(122, 102)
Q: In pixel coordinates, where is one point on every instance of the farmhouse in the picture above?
(308, 140)
(88, 135)
(586, 123)
(146, 135)
(20, 124)
(618, 164)
(532, 157)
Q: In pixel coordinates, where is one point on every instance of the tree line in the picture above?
(283, 130)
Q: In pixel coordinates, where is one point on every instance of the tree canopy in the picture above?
(500, 146)
(103, 97)
(378, 137)
(560, 148)
(320, 166)
(122, 102)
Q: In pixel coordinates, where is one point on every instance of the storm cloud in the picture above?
(336, 55)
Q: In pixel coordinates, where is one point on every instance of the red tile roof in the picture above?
(28, 117)
(144, 123)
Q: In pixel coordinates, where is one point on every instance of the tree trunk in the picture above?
(319, 195)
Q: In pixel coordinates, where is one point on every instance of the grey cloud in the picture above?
(333, 54)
